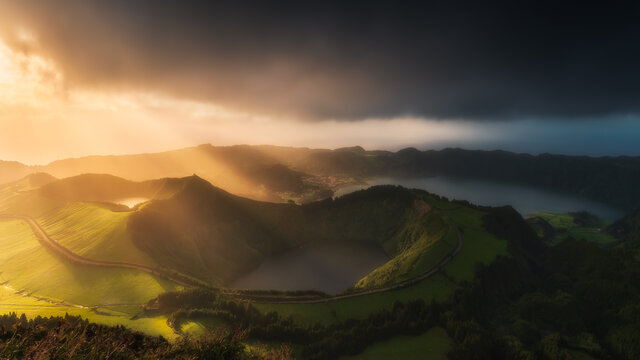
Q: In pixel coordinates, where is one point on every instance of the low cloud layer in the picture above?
(347, 60)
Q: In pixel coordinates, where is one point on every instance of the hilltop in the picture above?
(281, 174)
(214, 235)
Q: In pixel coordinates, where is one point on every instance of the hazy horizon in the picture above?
(79, 84)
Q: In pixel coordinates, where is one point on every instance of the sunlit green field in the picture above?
(37, 282)
(94, 232)
(10, 302)
(432, 345)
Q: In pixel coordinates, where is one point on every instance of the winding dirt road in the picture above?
(54, 246)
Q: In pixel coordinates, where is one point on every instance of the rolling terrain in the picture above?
(280, 174)
(163, 266)
(89, 248)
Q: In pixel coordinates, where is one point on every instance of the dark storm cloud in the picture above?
(351, 60)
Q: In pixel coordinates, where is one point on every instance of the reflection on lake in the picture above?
(330, 268)
(525, 199)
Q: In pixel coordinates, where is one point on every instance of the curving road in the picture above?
(54, 246)
(445, 260)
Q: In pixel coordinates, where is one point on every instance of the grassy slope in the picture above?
(433, 345)
(95, 232)
(565, 227)
(88, 229)
(215, 236)
(10, 301)
(26, 265)
(56, 287)
(479, 247)
(431, 239)
(436, 288)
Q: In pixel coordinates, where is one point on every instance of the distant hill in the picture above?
(13, 170)
(610, 180)
(273, 173)
(107, 188)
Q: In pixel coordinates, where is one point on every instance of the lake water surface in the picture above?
(330, 268)
(525, 199)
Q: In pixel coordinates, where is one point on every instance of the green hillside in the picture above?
(627, 230)
(210, 234)
(190, 226)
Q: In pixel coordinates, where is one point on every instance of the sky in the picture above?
(80, 77)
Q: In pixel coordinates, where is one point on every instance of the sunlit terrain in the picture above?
(319, 180)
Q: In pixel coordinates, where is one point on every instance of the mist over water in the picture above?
(525, 199)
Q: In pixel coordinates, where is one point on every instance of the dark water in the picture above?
(524, 199)
(330, 268)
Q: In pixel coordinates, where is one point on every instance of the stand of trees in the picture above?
(574, 300)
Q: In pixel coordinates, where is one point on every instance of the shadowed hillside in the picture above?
(627, 230)
(210, 234)
(273, 173)
(107, 188)
(13, 170)
(239, 169)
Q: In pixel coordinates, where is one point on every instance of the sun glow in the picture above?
(44, 118)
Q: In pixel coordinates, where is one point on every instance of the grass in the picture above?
(95, 232)
(90, 230)
(434, 239)
(436, 288)
(565, 227)
(479, 246)
(25, 265)
(445, 245)
(433, 345)
(10, 301)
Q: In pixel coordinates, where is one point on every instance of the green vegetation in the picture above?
(422, 243)
(480, 246)
(435, 288)
(95, 232)
(627, 230)
(556, 228)
(433, 345)
(504, 295)
(34, 305)
(347, 326)
(26, 264)
(72, 337)
(212, 235)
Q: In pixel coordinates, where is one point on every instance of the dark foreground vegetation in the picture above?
(572, 301)
(71, 337)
